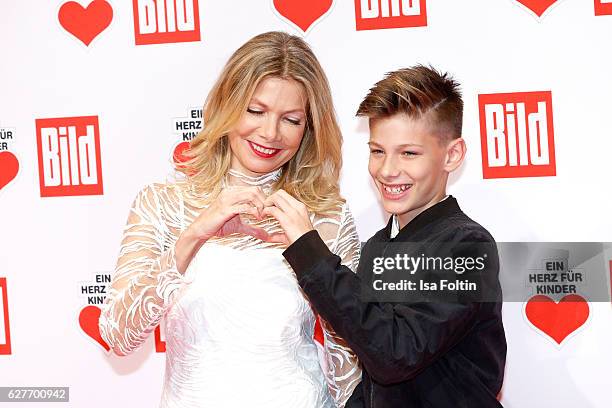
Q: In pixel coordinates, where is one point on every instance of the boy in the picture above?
(439, 352)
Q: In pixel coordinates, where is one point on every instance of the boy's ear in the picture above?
(455, 153)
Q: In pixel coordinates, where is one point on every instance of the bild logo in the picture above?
(166, 21)
(160, 337)
(69, 156)
(603, 7)
(517, 136)
(5, 332)
(380, 14)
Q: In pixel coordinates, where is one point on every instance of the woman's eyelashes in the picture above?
(294, 121)
(291, 120)
(255, 111)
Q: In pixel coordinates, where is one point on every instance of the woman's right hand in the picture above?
(221, 218)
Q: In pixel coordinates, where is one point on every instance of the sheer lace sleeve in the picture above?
(146, 279)
(343, 369)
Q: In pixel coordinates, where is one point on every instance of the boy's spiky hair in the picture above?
(419, 92)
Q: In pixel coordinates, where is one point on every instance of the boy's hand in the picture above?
(291, 214)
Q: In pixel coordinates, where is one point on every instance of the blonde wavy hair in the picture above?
(311, 175)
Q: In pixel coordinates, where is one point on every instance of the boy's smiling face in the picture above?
(409, 163)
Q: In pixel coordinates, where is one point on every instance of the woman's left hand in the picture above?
(291, 214)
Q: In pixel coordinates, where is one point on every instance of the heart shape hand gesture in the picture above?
(222, 218)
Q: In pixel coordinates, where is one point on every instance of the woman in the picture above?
(239, 332)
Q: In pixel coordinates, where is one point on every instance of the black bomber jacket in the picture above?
(434, 354)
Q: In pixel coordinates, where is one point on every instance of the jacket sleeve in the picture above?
(393, 341)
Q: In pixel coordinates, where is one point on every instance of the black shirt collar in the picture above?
(442, 209)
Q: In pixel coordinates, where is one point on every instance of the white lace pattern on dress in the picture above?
(239, 331)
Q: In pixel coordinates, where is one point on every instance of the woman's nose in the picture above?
(269, 128)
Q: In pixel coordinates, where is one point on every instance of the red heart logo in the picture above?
(88, 320)
(557, 320)
(537, 6)
(10, 166)
(85, 23)
(177, 155)
(302, 13)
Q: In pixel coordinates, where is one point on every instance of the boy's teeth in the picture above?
(261, 149)
(396, 189)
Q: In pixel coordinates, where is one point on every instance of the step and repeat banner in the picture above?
(97, 98)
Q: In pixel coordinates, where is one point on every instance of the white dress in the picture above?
(239, 331)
